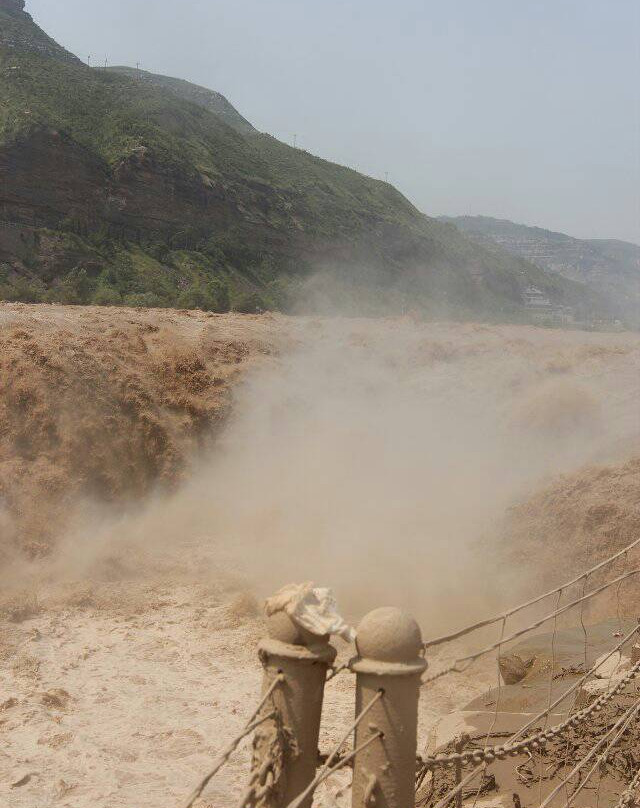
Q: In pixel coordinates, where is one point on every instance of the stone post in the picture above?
(389, 646)
(303, 659)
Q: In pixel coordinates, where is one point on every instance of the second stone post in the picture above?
(389, 660)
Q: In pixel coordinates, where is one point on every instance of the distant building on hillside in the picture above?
(535, 300)
(542, 309)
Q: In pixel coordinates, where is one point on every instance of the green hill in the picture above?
(124, 187)
(209, 99)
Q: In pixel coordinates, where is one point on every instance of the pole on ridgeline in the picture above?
(282, 770)
(389, 661)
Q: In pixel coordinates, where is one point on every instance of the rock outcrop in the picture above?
(12, 6)
(19, 32)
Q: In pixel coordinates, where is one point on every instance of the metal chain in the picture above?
(576, 685)
(631, 713)
(600, 761)
(262, 781)
(490, 754)
(251, 724)
(627, 797)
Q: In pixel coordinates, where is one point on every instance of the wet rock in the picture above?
(513, 668)
(608, 666)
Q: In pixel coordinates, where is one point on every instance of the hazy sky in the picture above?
(510, 108)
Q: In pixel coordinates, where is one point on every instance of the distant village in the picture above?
(544, 311)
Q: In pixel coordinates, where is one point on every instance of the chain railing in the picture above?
(388, 667)
(628, 796)
(252, 724)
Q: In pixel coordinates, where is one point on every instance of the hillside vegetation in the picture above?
(119, 187)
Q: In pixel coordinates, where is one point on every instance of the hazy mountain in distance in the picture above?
(610, 267)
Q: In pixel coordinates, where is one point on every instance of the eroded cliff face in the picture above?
(47, 180)
(45, 177)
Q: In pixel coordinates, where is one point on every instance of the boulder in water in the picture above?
(513, 668)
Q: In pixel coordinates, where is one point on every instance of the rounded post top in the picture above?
(282, 628)
(288, 640)
(389, 641)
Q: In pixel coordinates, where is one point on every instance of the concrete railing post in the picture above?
(302, 659)
(389, 646)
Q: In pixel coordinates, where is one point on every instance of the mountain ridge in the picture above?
(203, 96)
(118, 187)
(611, 267)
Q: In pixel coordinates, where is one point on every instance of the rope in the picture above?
(327, 769)
(224, 757)
(577, 684)
(599, 762)
(491, 620)
(550, 688)
(251, 724)
(624, 720)
(512, 749)
(473, 657)
(494, 719)
(628, 795)
(341, 763)
(449, 758)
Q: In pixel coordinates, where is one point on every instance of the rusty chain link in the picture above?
(618, 728)
(251, 724)
(490, 754)
(627, 798)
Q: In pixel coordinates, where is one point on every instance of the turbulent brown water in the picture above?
(161, 470)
